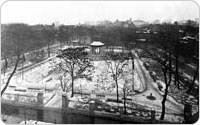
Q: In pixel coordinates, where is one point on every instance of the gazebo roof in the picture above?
(97, 43)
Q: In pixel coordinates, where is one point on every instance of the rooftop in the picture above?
(97, 43)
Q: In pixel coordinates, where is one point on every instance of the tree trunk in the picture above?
(125, 105)
(194, 78)
(72, 76)
(11, 75)
(124, 102)
(163, 103)
(167, 83)
(62, 86)
(117, 90)
(133, 67)
(176, 82)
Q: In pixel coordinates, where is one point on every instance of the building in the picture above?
(97, 47)
(139, 23)
(128, 23)
(197, 20)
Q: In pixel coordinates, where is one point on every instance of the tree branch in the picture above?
(11, 75)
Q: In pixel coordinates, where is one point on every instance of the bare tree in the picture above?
(63, 34)
(165, 58)
(167, 72)
(14, 37)
(61, 75)
(75, 63)
(194, 78)
(127, 88)
(116, 63)
(166, 62)
(170, 46)
(65, 84)
(175, 39)
(11, 75)
(49, 37)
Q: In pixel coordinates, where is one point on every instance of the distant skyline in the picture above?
(73, 12)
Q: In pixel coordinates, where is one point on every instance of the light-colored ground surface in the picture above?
(37, 78)
(151, 87)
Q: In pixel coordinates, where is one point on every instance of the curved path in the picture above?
(151, 87)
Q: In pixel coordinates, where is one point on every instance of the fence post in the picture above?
(91, 107)
(153, 112)
(66, 115)
(65, 101)
(40, 99)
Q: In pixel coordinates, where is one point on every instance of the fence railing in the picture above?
(94, 105)
(131, 111)
(21, 98)
(67, 115)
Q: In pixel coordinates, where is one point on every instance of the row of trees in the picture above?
(16, 40)
(35, 37)
(25, 36)
(73, 63)
(44, 35)
(13, 39)
(20, 38)
(169, 59)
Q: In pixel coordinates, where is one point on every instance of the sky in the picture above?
(73, 12)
